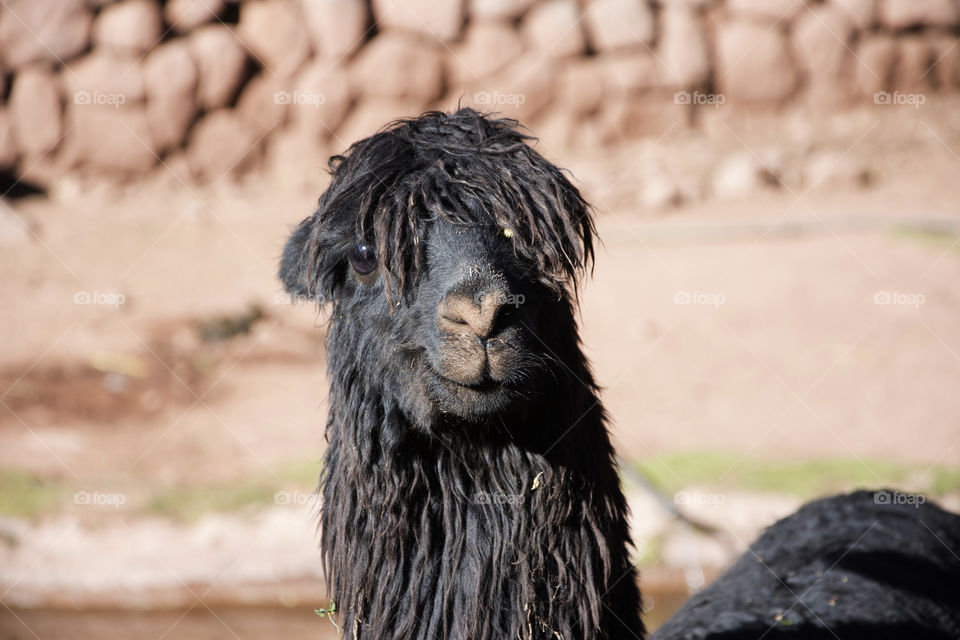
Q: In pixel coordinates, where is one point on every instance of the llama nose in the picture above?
(476, 315)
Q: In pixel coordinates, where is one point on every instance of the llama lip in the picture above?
(487, 396)
(487, 385)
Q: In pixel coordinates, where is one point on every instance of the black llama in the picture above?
(469, 487)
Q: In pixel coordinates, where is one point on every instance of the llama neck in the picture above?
(469, 535)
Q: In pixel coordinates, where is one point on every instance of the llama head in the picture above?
(450, 251)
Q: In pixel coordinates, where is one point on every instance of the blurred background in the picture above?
(774, 315)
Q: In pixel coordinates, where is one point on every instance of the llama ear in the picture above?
(296, 272)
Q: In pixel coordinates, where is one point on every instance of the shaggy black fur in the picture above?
(461, 502)
(850, 567)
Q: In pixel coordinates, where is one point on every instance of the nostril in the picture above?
(477, 315)
(451, 316)
(457, 314)
(454, 319)
(503, 315)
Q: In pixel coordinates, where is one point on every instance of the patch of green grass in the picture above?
(189, 503)
(819, 476)
(945, 480)
(24, 495)
(304, 473)
(673, 472)
(651, 553)
(938, 239)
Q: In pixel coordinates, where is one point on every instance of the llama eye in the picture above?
(363, 258)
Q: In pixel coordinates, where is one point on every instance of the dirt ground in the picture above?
(148, 343)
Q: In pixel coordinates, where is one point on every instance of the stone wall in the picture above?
(210, 88)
